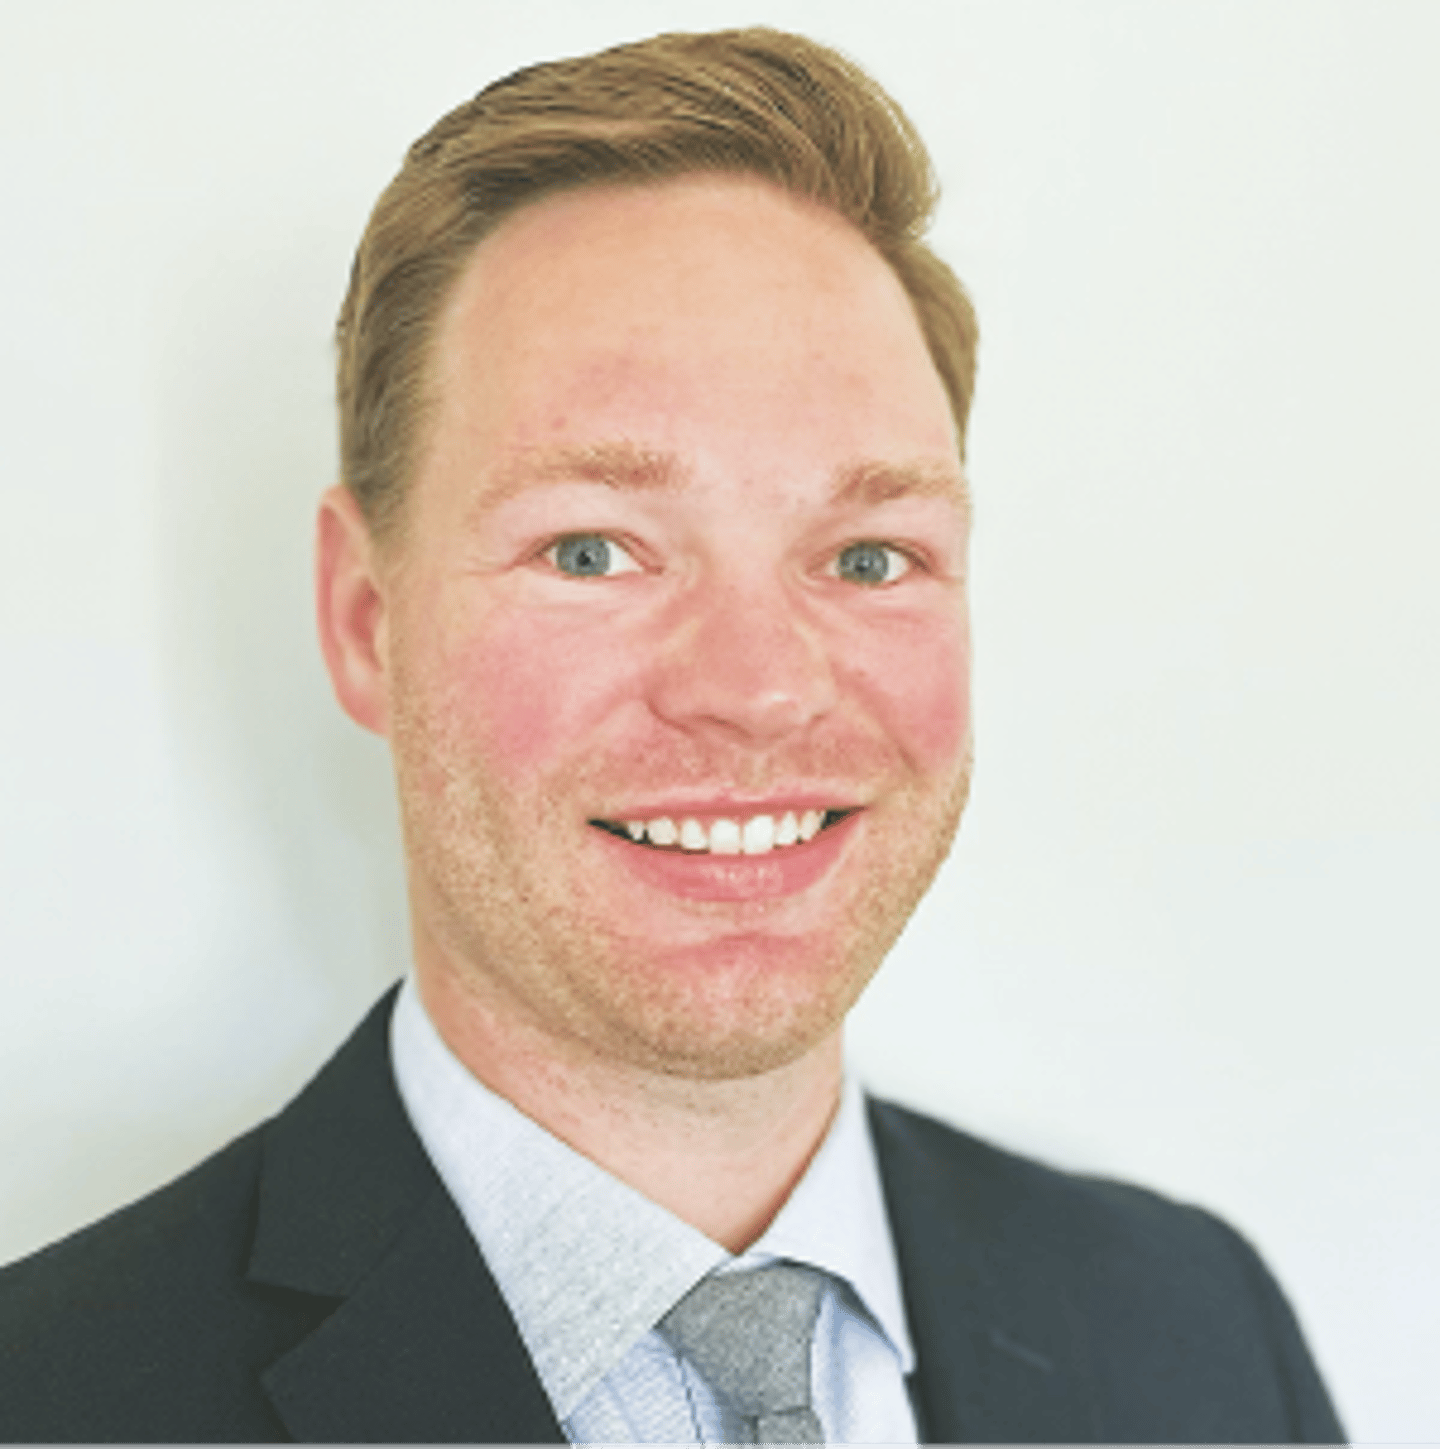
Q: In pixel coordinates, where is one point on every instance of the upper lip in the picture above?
(735, 808)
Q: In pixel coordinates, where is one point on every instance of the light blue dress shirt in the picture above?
(588, 1265)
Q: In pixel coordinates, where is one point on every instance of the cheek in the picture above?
(530, 688)
(917, 680)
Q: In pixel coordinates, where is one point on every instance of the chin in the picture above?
(732, 1008)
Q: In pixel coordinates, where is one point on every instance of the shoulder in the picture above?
(146, 1325)
(175, 1238)
(179, 1217)
(159, 1321)
(1143, 1290)
(1010, 1199)
(143, 1324)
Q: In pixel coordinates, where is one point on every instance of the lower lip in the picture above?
(783, 871)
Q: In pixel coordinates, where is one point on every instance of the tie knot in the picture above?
(748, 1335)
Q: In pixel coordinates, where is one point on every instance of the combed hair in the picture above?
(755, 101)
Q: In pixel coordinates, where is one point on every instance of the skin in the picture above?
(729, 385)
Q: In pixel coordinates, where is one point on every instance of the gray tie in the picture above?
(748, 1335)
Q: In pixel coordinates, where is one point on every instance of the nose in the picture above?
(743, 664)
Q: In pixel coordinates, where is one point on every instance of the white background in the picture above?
(1189, 934)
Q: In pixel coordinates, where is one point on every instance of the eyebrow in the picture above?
(868, 484)
(624, 465)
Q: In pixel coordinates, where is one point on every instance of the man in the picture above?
(649, 562)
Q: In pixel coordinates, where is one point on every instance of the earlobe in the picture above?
(350, 610)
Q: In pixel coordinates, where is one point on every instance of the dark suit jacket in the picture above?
(315, 1281)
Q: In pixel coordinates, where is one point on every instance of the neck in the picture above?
(721, 1155)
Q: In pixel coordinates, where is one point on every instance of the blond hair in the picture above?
(754, 101)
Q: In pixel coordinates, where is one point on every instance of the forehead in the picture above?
(671, 237)
(718, 320)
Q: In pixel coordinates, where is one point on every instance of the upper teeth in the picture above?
(755, 835)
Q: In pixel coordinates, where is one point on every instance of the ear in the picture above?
(350, 609)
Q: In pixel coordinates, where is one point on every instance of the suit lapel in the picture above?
(1000, 1351)
(424, 1349)
(420, 1345)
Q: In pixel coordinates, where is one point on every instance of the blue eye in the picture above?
(590, 556)
(870, 563)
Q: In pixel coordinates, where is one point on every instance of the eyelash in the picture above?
(912, 561)
(551, 551)
(908, 558)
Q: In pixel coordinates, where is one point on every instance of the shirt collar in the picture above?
(835, 1219)
(588, 1265)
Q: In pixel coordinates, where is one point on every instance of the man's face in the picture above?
(685, 551)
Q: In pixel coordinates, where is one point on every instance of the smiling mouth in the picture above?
(748, 835)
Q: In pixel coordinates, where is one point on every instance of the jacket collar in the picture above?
(1000, 1345)
(420, 1345)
